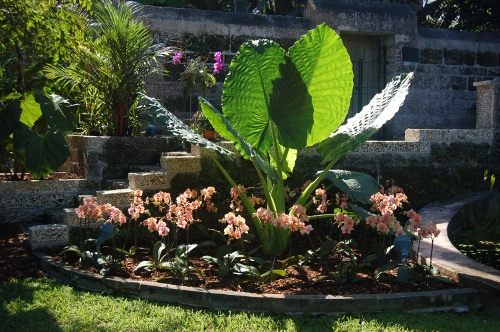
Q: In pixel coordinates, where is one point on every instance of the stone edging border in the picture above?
(450, 261)
(460, 300)
(483, 283)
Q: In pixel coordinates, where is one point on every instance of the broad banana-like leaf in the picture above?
(247, 90)
(179, 128)
(303, 95)
(358, 186)
(288, 158)
(363, 125)
(325, 70)
(31, 110)
(10, 115)
(226, 130)
(59, 114)
(41, 155)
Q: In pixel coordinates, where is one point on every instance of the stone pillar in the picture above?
(488, 111)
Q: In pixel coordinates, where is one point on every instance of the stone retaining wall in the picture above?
(446, 63)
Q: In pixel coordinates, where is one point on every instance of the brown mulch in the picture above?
(309, 280)
(17, 261)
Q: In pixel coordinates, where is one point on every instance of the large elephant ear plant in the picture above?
(34, 131)
(276, 102)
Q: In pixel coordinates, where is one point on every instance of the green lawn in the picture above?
(45, 305)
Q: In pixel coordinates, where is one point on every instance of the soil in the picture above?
(17, 261)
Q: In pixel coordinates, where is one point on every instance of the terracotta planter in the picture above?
(209, 134)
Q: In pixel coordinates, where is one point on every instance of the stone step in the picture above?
(443, 135)
(150, 181)
(112, 184)
(180, 162)
(70, 219)
(119, 198)
(48, 236)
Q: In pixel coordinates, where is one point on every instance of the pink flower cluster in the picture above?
(385, 224)
(429, 230)
(218, 62)
(180, 212)
(345, 222)
(413, 221)
(295, 220)
(388, 202)
(177, 58)
(90, 209)
(323, 203)
(236, 225)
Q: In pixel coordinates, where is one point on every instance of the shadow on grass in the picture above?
(18, 311)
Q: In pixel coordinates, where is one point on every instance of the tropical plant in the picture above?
(110, 67)
(32, 137)
(33, 34)
(275, 103)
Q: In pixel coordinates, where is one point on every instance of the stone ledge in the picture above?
(48, 236)
(443, 135)
(431, 301)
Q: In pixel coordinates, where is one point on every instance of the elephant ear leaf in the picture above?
(358, 186)
(41, 155)
(59, 114)
(248, 88)
(10, 115)
(179, 128)
(226, 130)
(363, 125)
(312, 97)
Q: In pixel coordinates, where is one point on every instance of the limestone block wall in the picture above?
(446, 63)
(101, 158)
(32, 201)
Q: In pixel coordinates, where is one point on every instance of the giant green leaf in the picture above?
(303, 95)
(247, 90)
(358, 186)
(313, 95)
(226, 130)
(363, 125)
(41, 155)
(31, 110)
(10, 115)
(59, 113)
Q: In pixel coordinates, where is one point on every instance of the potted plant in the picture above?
(201, 125)
(195, 80)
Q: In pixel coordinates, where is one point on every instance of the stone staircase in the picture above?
(146, 177)
(418, 144)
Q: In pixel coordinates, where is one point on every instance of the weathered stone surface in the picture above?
(150, 180)
(48, 236)
(180, 163)
(119, 198)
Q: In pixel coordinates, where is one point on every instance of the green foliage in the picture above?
(178, 266)
(464, 15)
(275, 103)
(109, 68)
(34, 134)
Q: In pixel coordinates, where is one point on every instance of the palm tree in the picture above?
(110, 67)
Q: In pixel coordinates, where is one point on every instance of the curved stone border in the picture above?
(459, 300)
(484, 282)
(450, 261)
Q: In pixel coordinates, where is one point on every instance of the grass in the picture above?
(44, 305)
